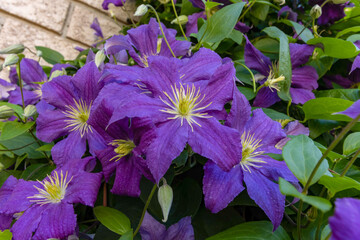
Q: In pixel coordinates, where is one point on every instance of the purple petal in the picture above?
(105, 4)
(301, 96)
(31, 71)
(265, 98)
(300, 54)
(43, 106)
(266, 194)
(27, 223)
(95, 141)
(170, 142)
(180, 230)
(220, 187)
(74, 146)
(274, 169)
(116, 43)
(5, 88)
(30, 97)
(108, 166)
(151, 229)
(356, 64)
(239, 113)
(331, 13)
(242, 27)
(6, 191)
(345, 222)
(291, 14)
(51, 125)
(353, 111)
(57, 221)
(198, 4)
(191, 25)
(219, 143)
(96, 26)
(344, 82)
(293, 128)
(179, 48)
(305, 77)
(5, 221)
(254, 59)
(13, 75)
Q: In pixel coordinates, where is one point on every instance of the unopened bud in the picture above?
(11, 60)
(141, 10)
(6, 112)
(182, 20)
(164, 1)
(16, 48)
(339, 1)
(280, 2)
(100, 57)
(165, 198)
(57, 73)
(29, 111)
(39, 53)
(316, 11)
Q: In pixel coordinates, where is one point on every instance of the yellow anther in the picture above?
(122, 148)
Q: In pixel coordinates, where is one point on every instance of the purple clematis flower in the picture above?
(118, 3)
(293, 128)
(330, 12)
(304, 78)
(345, 222)
(153, 230)
(344, 82)
(242, 27)
(184, 98)
(5, 89)
(5, 193)
(259, 135)
(96, 26)
(72, 98)
(191, 25)
(353, 111)
(126, 141)
(47, 205)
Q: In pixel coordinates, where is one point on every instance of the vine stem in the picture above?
(252, 75)
(350, 163)
(162, 31)
(20, 84)
(145, 208)
(345, 130)
(178, 20)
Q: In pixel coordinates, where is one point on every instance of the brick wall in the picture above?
(57, 24)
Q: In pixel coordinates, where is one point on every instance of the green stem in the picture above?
(298, 220)
(178, 20)
(252, 75)
(14, 149)
(350, 163)
(288, 108)
(162, 31)
(20, 84)
(145, 208)
(247, 9)
(323, 4)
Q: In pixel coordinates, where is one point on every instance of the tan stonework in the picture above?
(81, 20)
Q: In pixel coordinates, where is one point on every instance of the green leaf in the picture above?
(49, 55)
(6, 162)
(322, 65)
(113, 219)
(323, 108)
(14, 107)
(288, 189)
(5, 235)
(306, 34)
(348, 30)
(301, 155)
(331, 155)
(221, 24)
(127, 236)
(260, 230)
(336, 183)
(45, 148)
(348, 94)
(24, 143)
(14, 129)
(273, 114)
(248, 92)
(37, 171)
(331, 47)
(285, 67)
(260, 11)
(181, 159)
(351, 143)
(209, 5)
(20, 159)
(268, 45)
(236, 36)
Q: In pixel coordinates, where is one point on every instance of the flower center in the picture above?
(53, 189)
(78, 117)
(249, 152)
(184, 104)
(122, 148)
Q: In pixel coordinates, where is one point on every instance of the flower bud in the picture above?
(141, 10)
(6, 112)
(16, 48)
(29, 111)
(316, 11)
(280, 2)
(39, 53)
(57, 73)
(182, 20)
(164, 1)
(339, 1)
(11, 60)
(100, 57)
(165, 198)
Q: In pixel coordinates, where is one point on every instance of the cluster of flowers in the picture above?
(137, 119)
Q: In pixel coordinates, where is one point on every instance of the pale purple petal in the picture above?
(305, 77)
(30, 97)
(301, 96)
(191, 25)
(356, 64)
(353, 111)
(116, 43)
(220, 187)
(300, 54)
(181, 230)
(254, 59)
(96, 27)
(31, 71)
(27, 223)
(151, 229)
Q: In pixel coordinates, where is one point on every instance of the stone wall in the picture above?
(57, 24)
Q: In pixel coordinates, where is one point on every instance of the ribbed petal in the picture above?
(115, 44)
(353, 111)
(31, 71)
(266, 195)
(108, 166)
(59, 92)
(239, 113)
(6, 190)
(301, 96)
(151, 229)
(180, 230)
(51, 125)
(57, 221)
(305, 77)
(191, 25)
(254, 59)
(291, 14)
(345, 222)
(265, 98)
(117, 3)
(74, 146)
(30, 97)
(5, 221)
(179, 48)
(95, 141)
(27, 223)
(274, 169)
(300, 54)
(170, 142)
(216, 142)
(96, 27)
(220, 187)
